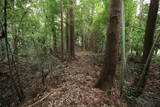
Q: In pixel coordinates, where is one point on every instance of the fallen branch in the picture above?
(39, 101)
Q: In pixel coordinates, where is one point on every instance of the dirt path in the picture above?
(76, 86)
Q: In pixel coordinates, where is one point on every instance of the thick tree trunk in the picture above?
(112, 45)
(72, 32)
(143, 77)
(148, 45)
(150, 28)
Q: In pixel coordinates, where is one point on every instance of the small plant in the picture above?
(106, 105)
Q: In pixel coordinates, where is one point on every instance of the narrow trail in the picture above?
(81, 71)
(76, 87)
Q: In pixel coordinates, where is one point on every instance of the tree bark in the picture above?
(150, 28)
(72, 32)
(18, 90)
(54, 40)
(148, 46)
(83, 45)
(111, 54)
(141, 10)
(62, 37)
(143, 77)
(67, 32)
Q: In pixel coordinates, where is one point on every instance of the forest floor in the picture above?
(75, 86)
(71, 84)
(151, 92)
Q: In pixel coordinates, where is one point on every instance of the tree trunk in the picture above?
(112, 45)
(141, 11)
(72, 32)
(67, 32)
(54, 40)
(2, 50)
(15, 42)
(150, 28)
(62, 37)
(143, 77)
(83, 45)
(148, 46)
(123, 46)
(18, 90)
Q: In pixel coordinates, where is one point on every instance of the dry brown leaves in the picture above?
(76, 88)
(153, 82)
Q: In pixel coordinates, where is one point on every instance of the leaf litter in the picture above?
(76, 87)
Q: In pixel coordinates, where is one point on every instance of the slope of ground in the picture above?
(153, 82)
(71, 84)
(76, 87)
(151, 92)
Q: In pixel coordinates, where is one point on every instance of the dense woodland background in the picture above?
(80, 53)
